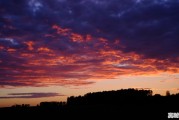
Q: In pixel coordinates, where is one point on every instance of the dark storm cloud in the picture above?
(85, 39)
(30, 95)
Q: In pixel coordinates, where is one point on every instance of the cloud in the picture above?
(35, 5)
(149, 28)
(30, 95)
(66, 42)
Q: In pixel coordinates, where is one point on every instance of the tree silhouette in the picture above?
(125, 103)
(167, 93)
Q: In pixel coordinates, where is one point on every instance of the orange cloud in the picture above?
(43, 49)
(27, 55)
(72, 36)
(30, 45)
(61, 31)
(11, 50)
(88, 38)
(76, 37)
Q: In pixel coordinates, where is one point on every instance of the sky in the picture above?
(53, 49)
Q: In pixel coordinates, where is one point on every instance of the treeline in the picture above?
(123, 96)
(111, 97)
(135, 102)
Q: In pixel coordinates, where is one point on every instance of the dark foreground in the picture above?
(120, 105)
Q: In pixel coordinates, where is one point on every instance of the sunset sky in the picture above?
(52, 49)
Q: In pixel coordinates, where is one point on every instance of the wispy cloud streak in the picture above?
(30, 95)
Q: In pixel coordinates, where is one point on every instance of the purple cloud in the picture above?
(30, 95)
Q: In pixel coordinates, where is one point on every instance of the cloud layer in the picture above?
(67, 42)
(30, 95)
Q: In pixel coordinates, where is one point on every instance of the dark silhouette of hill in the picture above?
(120, 104)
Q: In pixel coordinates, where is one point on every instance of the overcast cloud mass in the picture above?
(75, 42)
